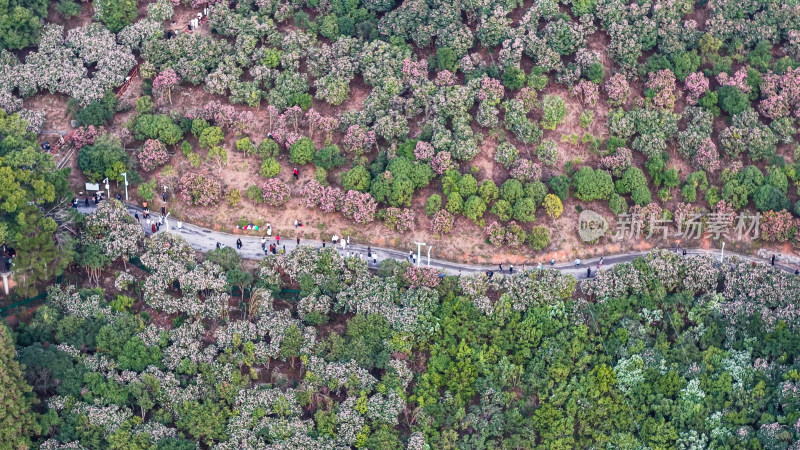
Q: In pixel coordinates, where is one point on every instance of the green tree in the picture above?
(560, 186)
(552, 206)
(103, 158)
(634, 182)
(38, 257)
(270, 168)
(302, 151)
(770, 198)
(157, 126)
(524, 210)
(474, 208)
(291, 343)
(116, 14)
(210, 137)
(538, 238)
(20, 22)
(17, 419)
(554, 110)
(329, 157)
(356, 179)
(513, 78)
(488, 191)
(455, 203)
(511, 190)
(732, 100)
(446, 59)
(136, 356)
(433, 204)
(592, 184)
(204, 421)
(502, 209)
(467, 185)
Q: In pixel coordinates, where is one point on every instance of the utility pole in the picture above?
(108, 189)
(125, 174)
(429, 255)
(419, 251)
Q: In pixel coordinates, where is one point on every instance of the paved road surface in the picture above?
(203, 239)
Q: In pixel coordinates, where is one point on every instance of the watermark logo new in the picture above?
(591, 226)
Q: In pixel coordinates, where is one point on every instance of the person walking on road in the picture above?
(588, 272)
(577, 262)
(263, 243)
(539, 266)
(136, 216)
(552, 262)
(600, 263)
(511, 269)
(86, 202)
(238, 244)
(153, 228)
(296, 173)
(773, 261)
(180, 224)
(298, 241)
(684, 252)
(501, 267)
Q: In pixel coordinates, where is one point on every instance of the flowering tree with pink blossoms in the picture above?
(781, 94)
(587, 92)
(163, 84)
(662, 84)
(422, 276)
(441, 162)
(617, 89)
(696, 86)
(84, 136)
(152, 155)
(400, 219)
(276, 192)
(617, 163)
(525, 170)
(199, 189)
(358, 139)
(311, 194)
(442, 222)
(423, 151)
(776, 226)
(359, 206)
(707, 156)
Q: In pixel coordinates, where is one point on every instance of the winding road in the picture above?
(203, 239)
